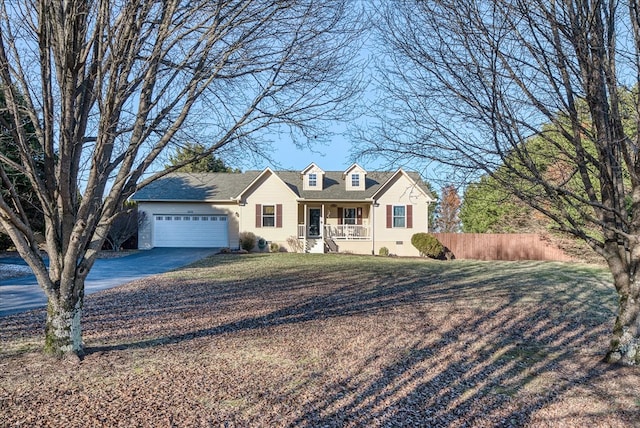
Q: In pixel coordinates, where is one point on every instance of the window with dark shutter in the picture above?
(399, 216)
(268, 216)
(349, 216)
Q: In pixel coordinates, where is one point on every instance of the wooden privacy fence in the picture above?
(498, 246)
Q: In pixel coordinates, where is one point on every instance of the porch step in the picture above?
(331, 245)
(315, 246)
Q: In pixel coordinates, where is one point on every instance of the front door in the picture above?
(315, 214)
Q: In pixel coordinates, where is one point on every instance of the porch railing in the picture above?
(347, 231)
(342, 232)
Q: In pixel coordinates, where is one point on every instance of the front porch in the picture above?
(344, 221)
(333, 227)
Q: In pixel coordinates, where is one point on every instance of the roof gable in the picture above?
(355, 168)
(266, 172)
(312, 167)
(415, 181)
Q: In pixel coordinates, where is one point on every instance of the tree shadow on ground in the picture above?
(482, 349)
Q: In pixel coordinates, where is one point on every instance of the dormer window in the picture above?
(355, 180)
(312, 178)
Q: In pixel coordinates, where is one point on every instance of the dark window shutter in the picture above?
(279, 215)
(258, 215)
(358, 215)
(340, 215)
(409, 216)
(389, 216)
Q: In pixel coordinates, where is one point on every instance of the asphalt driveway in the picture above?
(24, 293)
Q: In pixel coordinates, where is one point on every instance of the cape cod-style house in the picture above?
(342, 211)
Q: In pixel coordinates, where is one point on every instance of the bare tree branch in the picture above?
(540, 96)
(111, 86)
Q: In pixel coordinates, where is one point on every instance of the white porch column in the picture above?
(372, 226)
(322, 223)
(304, 232)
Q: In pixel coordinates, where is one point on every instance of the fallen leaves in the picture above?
(299, 340)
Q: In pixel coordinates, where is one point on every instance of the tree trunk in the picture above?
(625, 343)
(63, 332)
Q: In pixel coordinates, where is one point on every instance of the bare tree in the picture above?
(530, 93)
(110, 86)
(447, 220)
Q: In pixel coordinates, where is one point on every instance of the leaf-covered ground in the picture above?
(291, 340)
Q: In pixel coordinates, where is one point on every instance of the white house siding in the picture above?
(150, 209)
(355, 247)
(400, 191)
(269, 190)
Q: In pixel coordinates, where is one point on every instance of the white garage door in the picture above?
(188, 230)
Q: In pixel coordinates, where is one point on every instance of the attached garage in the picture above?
(190, 230)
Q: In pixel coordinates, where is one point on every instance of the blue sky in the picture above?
(334, 156)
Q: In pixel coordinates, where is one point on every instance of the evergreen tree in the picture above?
(205, 162)
(14, 179)
(488, 207)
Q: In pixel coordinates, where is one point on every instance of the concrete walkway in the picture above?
(24, 293)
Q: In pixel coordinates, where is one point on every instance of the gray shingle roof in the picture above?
(190, 186)
(226, 186)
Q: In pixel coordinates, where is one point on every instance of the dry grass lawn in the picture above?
(291, 340)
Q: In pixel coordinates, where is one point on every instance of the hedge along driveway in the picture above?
(296, 340)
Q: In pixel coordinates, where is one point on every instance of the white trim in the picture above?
(355, 165)
(355, 212)
(275, 215)
(393, 216)
(320, 222)
(315, 179)
(327, 201)
(311, 165)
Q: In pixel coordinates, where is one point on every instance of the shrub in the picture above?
(125, 227)
(295, 244)
(384, 251)
(428, 245)
(274, 247)
(247, 241)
